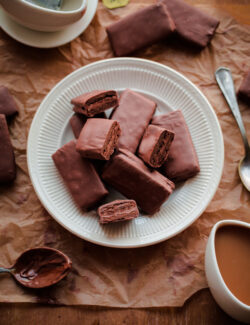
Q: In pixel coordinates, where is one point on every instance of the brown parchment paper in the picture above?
(162, 275)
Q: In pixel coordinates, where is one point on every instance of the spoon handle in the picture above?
(4, 270)
(225, 81)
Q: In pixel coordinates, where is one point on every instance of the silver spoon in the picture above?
(226, 84)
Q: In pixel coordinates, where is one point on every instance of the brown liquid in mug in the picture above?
(232, 247)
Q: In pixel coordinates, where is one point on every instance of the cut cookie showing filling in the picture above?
(98, 138)
(155, 144)
(119, 210)
(95, 102)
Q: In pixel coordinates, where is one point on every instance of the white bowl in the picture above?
(42, 19)
(223, 296)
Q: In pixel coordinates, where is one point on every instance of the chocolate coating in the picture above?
(182, 162)
(8, 106)
(41, 267)
(154, 146)
(98, 138)
(133, 114)
(140, 29)
(119, 210)
(79, 176)
(244, 90)
(7, 158)
(95, 102)
(192, 24)
(130, 176)
(77, 122)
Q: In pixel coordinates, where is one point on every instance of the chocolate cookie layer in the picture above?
(80, 176)
(98, 138)
(182, 162)
(95, 102)
(119, 210)
(154, 146)
(130, 176)
(133, 114)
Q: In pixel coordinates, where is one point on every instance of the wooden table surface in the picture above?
(200, 309)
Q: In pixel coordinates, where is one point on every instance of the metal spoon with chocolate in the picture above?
(39, 267)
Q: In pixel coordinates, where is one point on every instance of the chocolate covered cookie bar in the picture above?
(142, 28)
(133, 114)
(7, 158)
(154, 146)
(130, 176)
(192, 24)
(77, 121)
(119, 210)
(182, 162)
(8, 106)
(80, 176)
(98, 138)
(95, 102)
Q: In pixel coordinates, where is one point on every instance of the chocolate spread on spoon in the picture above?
(41, 267)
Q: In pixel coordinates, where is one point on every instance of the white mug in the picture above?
(43, 19)
(223, 296)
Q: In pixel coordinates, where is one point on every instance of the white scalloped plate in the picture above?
(50, 130)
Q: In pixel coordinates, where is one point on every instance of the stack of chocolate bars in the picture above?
(142, 155)
(159, 21)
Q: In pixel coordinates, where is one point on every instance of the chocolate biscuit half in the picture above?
(155, 145)
(118, 210)
(98, 138)
(95, 102)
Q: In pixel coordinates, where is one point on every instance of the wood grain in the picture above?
(200, 309)
(239, 9)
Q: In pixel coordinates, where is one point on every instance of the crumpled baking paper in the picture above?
(165, 274)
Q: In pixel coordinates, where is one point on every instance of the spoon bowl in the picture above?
(225, 81)
(244, 171)
(39, 267)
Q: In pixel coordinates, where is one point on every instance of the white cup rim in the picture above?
(57, 12)
(213, 232)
